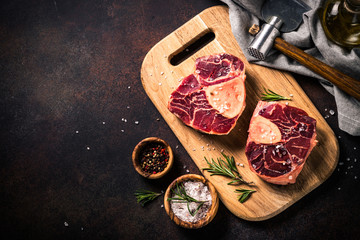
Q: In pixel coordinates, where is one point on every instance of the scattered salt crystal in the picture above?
(347, 159)
(187, 170)
(354, 148)
(103, 123)
(341, 163)
(136, 122)
(287, 103)
(171, 71)
(345, 172)
(355, 177)
(162, 205)
(325, 109)
(241, 165)
(339, 137)
(326, 116)
(76, 131)
(184, 166)
(222, 150)
(87, 148)
(150, 74)
(82, 229)
(127, 107)
(291, 95)
(129, 87)
(165, 56)
(160, 83)
(177, 146)
(194, 149)
(165, 77)
(162, 73)
(122, 130)
(355, 160)
(66, 224)
(339, 189)
(332, 112)
(209, 149)
(290, 177)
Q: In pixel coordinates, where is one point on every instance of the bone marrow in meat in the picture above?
(213, 97)
(280, 139)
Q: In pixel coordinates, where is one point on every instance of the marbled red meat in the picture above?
(213, 97)
(280, 139)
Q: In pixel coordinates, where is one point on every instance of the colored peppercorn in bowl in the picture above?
(152, 157)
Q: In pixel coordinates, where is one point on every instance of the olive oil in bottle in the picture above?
(340, 20)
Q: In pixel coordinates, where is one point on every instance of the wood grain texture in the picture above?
(160, 78)
(344, 82)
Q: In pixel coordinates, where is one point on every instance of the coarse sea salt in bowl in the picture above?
(190, 215)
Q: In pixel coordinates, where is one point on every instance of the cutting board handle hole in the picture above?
(192, 47)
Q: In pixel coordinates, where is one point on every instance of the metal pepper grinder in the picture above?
(340, 20)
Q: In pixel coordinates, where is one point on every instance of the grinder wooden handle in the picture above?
(344, 82)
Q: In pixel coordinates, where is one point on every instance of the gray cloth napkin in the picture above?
(311, 38)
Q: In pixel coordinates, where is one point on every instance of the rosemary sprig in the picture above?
(272, 96)
(183, 197)
(144, 196)
(227, 169)
(244, 194)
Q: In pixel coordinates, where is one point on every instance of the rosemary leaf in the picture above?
(183, 197)
(272, 96)
(227, 169)
(193, 213)
(244, 194)
(145, 196)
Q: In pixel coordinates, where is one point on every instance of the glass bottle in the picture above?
(340, 20)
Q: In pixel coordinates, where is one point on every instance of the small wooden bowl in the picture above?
(211, 212)
(136, 160)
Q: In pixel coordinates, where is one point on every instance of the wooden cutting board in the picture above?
(159, 78)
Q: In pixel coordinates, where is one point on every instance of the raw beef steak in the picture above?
(280, 139)
(213, 97)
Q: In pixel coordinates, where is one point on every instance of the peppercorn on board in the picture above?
(159, 78)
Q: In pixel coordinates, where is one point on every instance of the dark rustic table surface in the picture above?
(73, 108)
